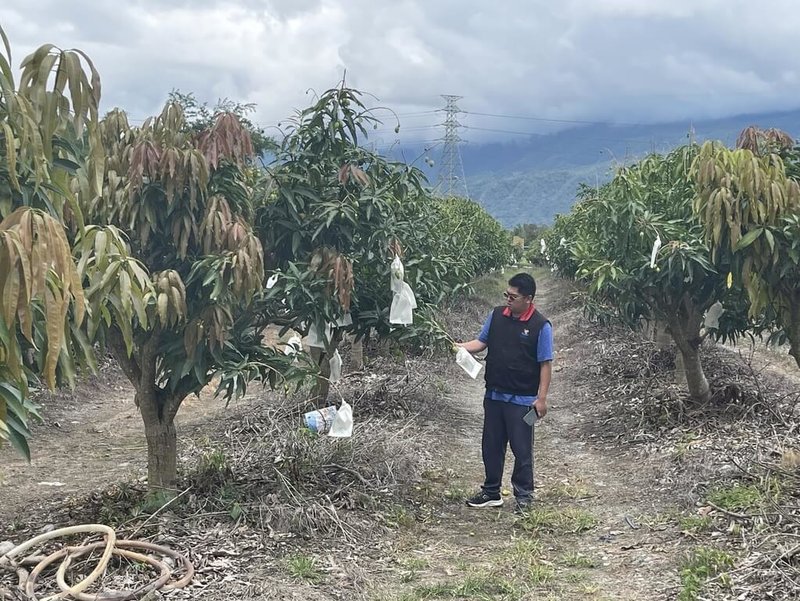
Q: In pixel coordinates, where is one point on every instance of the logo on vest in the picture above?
(525, 332)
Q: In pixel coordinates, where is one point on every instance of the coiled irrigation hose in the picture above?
(111, 546)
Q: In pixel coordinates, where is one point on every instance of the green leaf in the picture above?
(749, 238)
(770, 239)
(18, 435)
(14, 400)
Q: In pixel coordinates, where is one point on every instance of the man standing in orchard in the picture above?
(518, 371)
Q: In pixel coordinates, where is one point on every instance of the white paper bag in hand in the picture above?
(336, 366)
(403, 304)
(468, 363)
(342, 426)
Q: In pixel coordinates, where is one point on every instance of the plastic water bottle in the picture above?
(320, 420)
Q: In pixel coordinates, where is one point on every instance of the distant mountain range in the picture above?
(530, 181)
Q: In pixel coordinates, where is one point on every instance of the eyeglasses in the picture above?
(511, 297)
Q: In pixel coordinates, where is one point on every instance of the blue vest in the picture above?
(512, 363)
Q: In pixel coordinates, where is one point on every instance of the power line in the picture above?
(501, 131)
(426, 144)
(547, 120)
(419, 113)
(415, 128)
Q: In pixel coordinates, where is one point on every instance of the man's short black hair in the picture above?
(524, 283)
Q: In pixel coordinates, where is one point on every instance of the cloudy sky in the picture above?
(527, 60)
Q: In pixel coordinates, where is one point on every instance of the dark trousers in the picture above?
(503, 424)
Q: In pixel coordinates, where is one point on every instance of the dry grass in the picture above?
(735, 457)
(263, 495)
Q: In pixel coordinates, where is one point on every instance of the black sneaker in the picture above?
(484, 499)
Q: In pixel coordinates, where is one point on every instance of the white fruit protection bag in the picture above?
(403, 301)
(336, 367)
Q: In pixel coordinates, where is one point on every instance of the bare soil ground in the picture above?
(89, 439)
(639, 494)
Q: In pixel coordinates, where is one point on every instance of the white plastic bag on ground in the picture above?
(342, 425)
(403, 304)
(336, 366)
(468, 363)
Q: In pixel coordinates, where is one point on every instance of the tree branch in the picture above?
(173, 400)
(127, 362)
(148, 356)
(147, 364)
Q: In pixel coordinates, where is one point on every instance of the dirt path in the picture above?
(596, 532)
(88, 439)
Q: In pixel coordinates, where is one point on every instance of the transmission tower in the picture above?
(451, 170)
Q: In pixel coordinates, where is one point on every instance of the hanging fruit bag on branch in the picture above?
(403, 300)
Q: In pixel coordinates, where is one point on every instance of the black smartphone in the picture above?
(531, 417)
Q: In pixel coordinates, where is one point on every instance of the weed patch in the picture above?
(304, 567)
(569, 520)
(477, 587)
(703, 563)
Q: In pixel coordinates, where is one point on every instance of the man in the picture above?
(518, 371)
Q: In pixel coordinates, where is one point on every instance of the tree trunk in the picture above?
(685, 331)
(647, 326)
(657, 331)
(158, 414)
(793, 330)
(322, 358)
(322, 384)
(696, 380)
(680, 370)
(357, 355)
(162, 451)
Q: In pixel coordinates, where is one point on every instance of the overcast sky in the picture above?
(596, 60)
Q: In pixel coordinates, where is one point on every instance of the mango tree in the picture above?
(334, 215)
(750, 210)
(200, 117)
(48, 141)
(473, 234)
(641, 250)
(182, 198)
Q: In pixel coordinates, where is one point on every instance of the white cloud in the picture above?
(615, 60)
